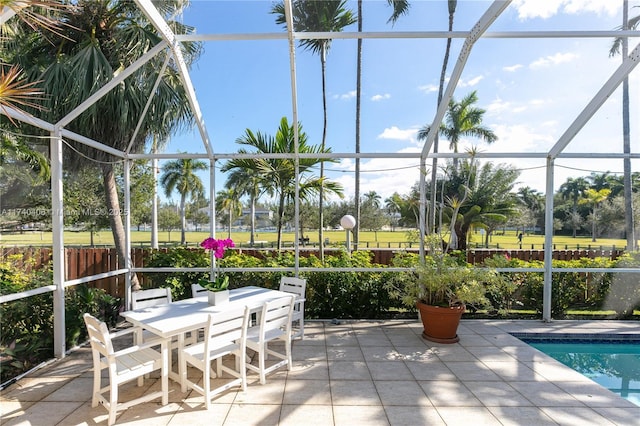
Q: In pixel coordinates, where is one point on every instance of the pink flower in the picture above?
(217, 246)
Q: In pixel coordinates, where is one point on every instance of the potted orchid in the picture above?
(217, 284)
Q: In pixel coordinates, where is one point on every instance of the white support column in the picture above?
(127, 230)
(423, 204)
(212, 213)
(288, 7)
(548, 243)
(154, 202)
(57, 226)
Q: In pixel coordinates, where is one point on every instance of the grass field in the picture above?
(368, 239)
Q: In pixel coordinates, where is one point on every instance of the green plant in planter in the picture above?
(442, 281)
(220, 283)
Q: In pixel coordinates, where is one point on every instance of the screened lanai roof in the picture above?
(541, 70)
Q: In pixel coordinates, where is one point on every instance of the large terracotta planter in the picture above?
(440, 323)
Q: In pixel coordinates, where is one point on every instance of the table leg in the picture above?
(182, 370)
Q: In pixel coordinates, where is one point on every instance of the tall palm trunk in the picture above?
(117, 228)
(280, 218)
(356, 196)
(626, 134)
(323, 63)
(434, 166)
(183, 219)
(252, 237)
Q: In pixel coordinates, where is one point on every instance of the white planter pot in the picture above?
(218, 297)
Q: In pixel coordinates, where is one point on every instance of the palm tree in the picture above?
(11, 148)
(100, 38)
(462, 119)
(534, 202)
(318, 16)
(452, 4)
(15, 90)
(247, 182)
(393, 205)
(572, 190)
(180, 175)
(621, 45)
(400, 7)
(229, 200)
(372, 198)
(477, 195)
(593, 197)
(279, 174)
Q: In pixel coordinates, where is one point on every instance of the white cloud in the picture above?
(470, 83)
(521, 138)
(512, 68)
(599, 7)
(547, 61)
(530, 9)
(394, 132)
(376, 98)
(346, 96)
(428, 88)
(497, 106)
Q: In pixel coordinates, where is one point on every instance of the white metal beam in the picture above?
(288, 9)
(6, 14)
(45, 125)
(350, 35)
(90, 142)
(148, 104)
(596, 102)
(548, 243)
(496, 8)
(57, 254)
(167, 34)
(26, 118)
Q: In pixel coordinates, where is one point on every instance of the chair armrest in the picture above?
(125, 332)
(136, 348)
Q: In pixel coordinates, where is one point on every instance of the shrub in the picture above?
(624, 292)
(26, 329)
(178, 257)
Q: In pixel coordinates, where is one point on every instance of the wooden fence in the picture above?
(83, 262)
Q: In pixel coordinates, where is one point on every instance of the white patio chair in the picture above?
(123, 366)
(198, 290)
(298, 287)
(275, 324)
(226, 334)
(154, 297)
(150, 297)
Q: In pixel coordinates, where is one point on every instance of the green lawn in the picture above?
(371, 239)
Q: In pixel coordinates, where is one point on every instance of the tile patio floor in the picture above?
(361, 373)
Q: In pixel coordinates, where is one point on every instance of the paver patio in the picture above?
(361, 373)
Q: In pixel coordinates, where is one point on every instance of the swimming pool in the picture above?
(613, 362)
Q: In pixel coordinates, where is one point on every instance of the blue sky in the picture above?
(532, 89)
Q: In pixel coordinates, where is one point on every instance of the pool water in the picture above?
(612, 364)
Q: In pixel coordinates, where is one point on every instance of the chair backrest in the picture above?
(227, 327)
(151, 297)
(197, 290)
(99, 336)
(276, 315)
(293, 285)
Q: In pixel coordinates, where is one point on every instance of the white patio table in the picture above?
(177, 318)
